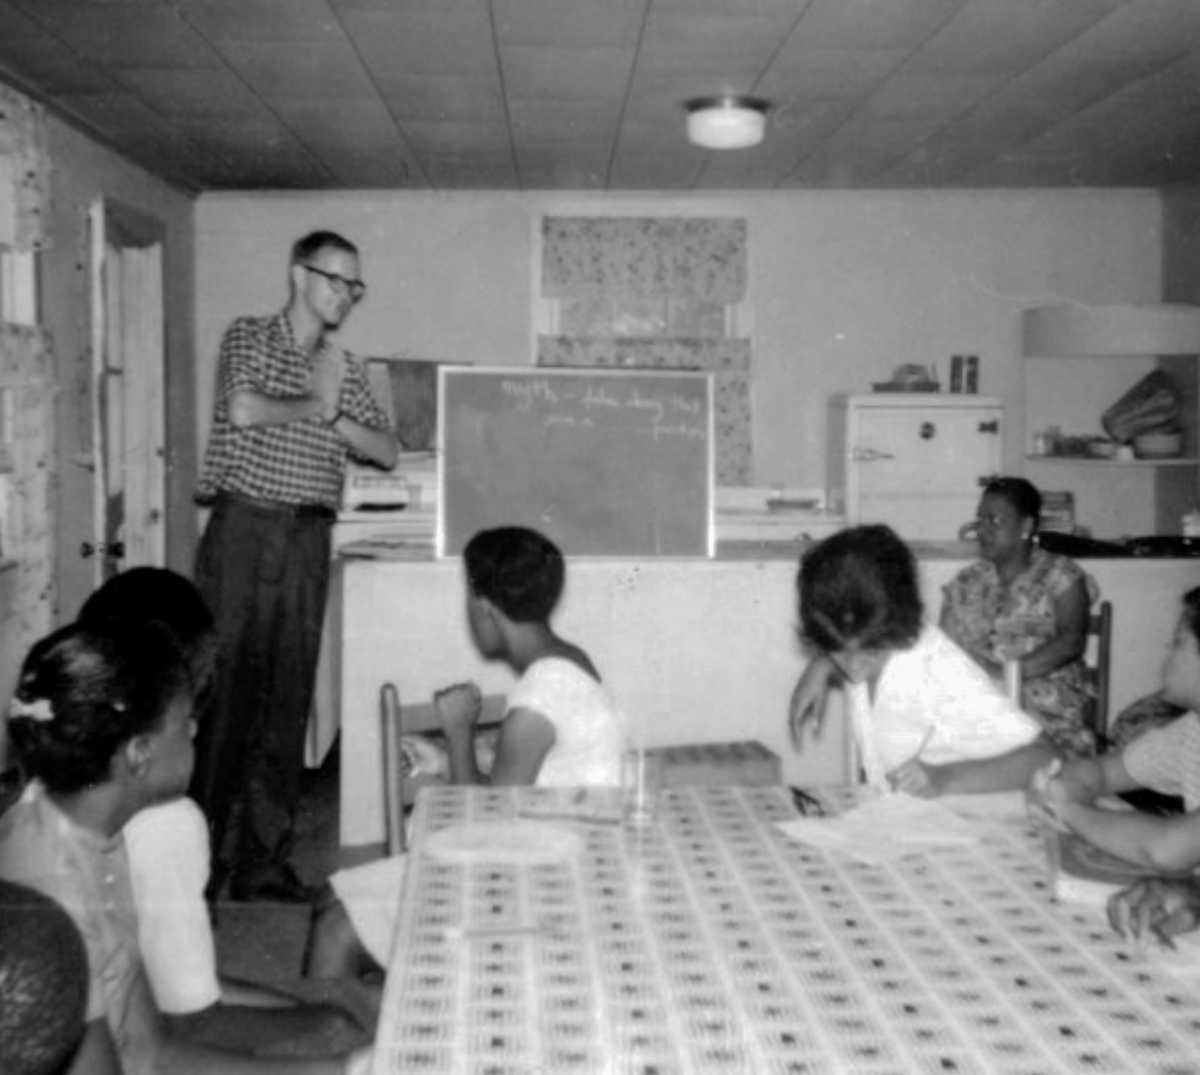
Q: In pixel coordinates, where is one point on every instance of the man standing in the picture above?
(290, 407)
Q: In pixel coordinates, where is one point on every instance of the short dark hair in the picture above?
(157, 594)
(305, 249)
(860, 586)
(1021, 494)
(87, 689)
(519, 570)
(43, 982)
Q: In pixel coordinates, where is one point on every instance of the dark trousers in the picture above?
(264, 571)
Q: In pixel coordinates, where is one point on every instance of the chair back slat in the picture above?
(1099, 667)
(393, 776)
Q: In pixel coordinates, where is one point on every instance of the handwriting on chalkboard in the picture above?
(603, 462)
(582, 406)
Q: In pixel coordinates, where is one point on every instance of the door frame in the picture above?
(127, 388)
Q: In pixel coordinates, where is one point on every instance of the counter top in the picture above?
(386, 548)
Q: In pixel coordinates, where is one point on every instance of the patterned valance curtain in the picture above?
(23, 143)
(684, 257)
(650, 291)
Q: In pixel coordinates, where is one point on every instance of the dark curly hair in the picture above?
(43, 983)
(859, 586)
(147, 594)
(521, 572)
(87, 689)
(1021, 494)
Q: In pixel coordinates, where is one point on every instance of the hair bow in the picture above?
(40, 709)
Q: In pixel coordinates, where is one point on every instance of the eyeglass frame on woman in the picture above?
(355, 289)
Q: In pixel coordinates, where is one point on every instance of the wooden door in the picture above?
(127, 390)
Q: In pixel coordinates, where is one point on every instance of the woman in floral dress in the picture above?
(1021, 603)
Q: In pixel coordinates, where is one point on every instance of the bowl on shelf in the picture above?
(1102, 448)
(1158, 445)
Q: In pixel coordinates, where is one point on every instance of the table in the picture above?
(712, 943)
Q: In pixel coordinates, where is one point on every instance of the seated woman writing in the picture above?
(1166, 759)
(926, 719)
(1019, 602)
(560, 728)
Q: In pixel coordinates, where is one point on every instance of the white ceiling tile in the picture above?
(566, 73)
(423, 42)
(270, 20)
(872, 24)
(456, 138)
(296, 68)
(450, 97)
(569, 23)
(420, 93)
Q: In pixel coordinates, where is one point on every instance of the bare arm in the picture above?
(248, 407)
(1162, 845)
(810, 696)
(96, 1055)
(526, 737)
(459, 707)
(1070, 635)
(378, 445)
(1010, 771)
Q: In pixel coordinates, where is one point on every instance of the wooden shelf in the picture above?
(1097, 461)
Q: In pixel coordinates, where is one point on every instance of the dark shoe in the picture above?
(278, 884)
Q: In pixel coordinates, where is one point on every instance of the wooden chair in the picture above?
(1098, 657)
(398, 721)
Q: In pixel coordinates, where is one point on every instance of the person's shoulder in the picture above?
(556, 674)
(1055, 562)
(254, 326)
(175, 818)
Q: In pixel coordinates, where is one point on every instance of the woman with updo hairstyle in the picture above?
(102, 725)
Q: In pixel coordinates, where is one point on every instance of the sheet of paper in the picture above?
(885, 828)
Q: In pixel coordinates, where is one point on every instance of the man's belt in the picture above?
(275, 507)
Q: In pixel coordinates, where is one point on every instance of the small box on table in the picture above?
(746, 762)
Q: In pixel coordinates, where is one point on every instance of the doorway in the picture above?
(126, 389)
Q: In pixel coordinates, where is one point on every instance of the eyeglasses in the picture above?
(356, 289)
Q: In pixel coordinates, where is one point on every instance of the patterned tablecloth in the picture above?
(714, 944)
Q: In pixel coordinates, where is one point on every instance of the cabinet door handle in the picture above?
(869, 455)
(990, 427)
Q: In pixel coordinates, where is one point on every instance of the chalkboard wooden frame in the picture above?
(605, 462)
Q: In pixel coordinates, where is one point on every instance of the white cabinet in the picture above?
(915, 461)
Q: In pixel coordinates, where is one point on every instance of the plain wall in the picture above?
(843, 288)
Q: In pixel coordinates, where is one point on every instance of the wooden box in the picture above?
(747, 762)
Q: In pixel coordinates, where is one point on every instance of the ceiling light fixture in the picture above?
(730, 122)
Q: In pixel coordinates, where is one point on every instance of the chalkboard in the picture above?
(603, 462)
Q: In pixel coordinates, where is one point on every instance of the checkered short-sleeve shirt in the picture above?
(1167, 759)
(301, 462)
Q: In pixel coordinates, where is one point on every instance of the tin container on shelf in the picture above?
(956, 374)
(971, 375)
